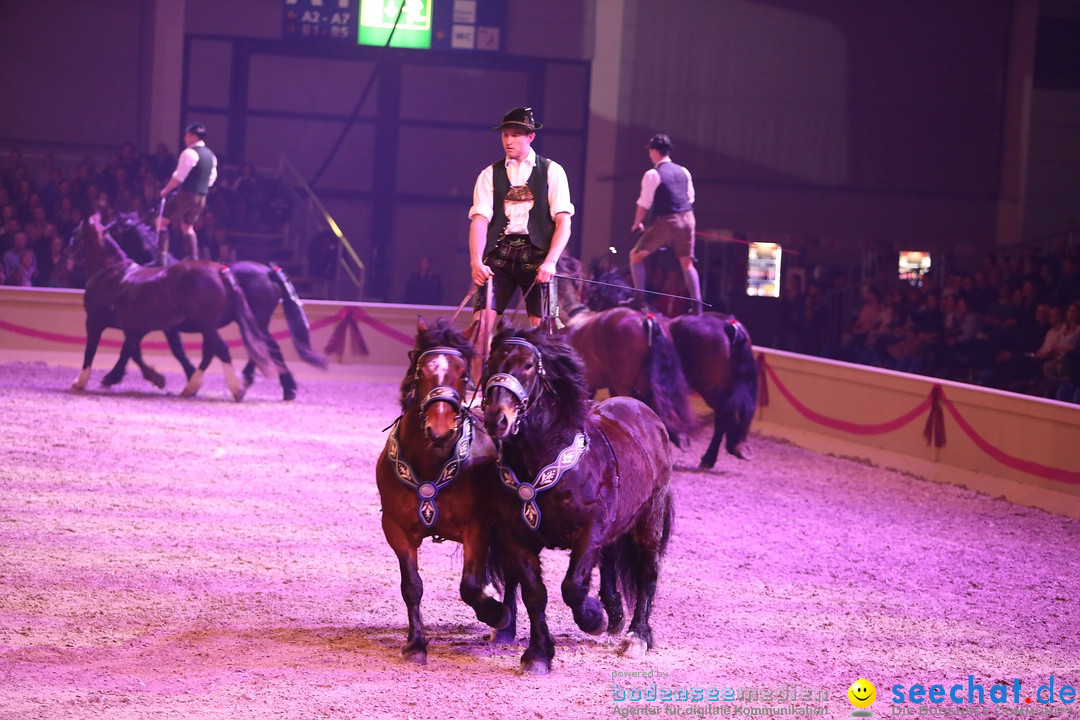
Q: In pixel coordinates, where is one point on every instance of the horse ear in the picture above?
(421, 324)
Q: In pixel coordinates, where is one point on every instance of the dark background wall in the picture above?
(841, 127)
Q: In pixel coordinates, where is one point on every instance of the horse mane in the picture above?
(137, 239)
(441, 334)
(605, 297)
(568, 395)
(104, 249)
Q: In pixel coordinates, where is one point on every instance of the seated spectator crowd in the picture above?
(41, 207)
(1012, 325)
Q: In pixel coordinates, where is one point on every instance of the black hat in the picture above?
(196, 128)
(660, 142)
(520, 118)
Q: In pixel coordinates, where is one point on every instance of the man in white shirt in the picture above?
(667, 190)
(519, 222)
(196, 171)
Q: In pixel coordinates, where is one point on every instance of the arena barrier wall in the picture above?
(1022, 448)
(364, 341)
(1006, 445)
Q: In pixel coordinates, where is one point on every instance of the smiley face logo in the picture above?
(862, 694)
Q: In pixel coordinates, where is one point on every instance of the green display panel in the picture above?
(413, 28)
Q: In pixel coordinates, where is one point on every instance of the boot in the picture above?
(163, 249)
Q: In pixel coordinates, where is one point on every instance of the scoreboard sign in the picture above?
(330, 19)
(477, 25)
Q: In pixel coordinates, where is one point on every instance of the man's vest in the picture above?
(671, 195)
(541, 226)
(198, 180)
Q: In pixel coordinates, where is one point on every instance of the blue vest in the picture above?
(541, 226)
(672, 195)
(198, 180)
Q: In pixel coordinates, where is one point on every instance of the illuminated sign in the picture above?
(472, 25)
(763, 270)
(913, 265)
(409, 20)
(335, 19)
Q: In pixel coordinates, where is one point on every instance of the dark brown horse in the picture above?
(626, 352)
(435, 477)
(264, 287)
(589, 477)
(195, 295)
(717, 359)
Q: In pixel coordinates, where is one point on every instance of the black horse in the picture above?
(137, 300)
(717, 359)
(435, 478)
(627, 352)
(264, 287)
(589, 477)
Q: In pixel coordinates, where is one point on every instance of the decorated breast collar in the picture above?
(426, 491)
(545, 479)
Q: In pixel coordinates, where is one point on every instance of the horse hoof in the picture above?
(743, 451)
(503, 636)
(593, 619)
(239, 393)
(77, 386)
(498, 618)
(109, 381)
(614, 628)
(535, 667)
(633, 647)
(158, 380)
(414, 656)
(597, 627)
(288, 395)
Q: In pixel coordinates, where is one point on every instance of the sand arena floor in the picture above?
(163, 557)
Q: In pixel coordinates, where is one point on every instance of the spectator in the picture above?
(52, 268)
(1061, 339)
(792, 313)
(20, 265)
(927, 329)
(424, 287)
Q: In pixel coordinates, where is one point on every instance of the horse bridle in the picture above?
(548, 476)
(427, 490)
(512, 385)
(441, 393)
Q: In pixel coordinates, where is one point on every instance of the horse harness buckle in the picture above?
(546, 479)
(427, 491)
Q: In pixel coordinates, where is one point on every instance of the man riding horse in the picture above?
(196, 171)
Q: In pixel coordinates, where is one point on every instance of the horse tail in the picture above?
(254, 341)
(627, 550)
(741, 402)
(670, 393)
(299, 329)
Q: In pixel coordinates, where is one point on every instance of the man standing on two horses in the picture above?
(667, 190)
(520, 223)
(196, 171)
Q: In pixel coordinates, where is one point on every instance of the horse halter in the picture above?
(440, 393)
(512, 385)
(427, 491)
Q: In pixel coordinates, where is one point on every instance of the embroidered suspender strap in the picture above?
(427, 491)
(545, 479)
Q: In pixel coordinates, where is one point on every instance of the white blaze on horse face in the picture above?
(439, 367)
